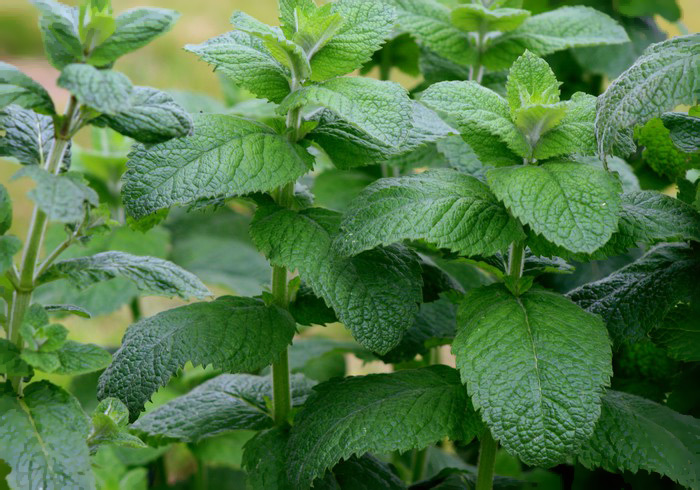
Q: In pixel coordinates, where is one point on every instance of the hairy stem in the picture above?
(516, 260)
(487, 461)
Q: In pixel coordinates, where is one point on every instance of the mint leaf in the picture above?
(9, 246)
(18, 88)
(375, 294)
(535, 366)
(662, 78)
(636, 298)
(572, 205)
(233, 333)
(28, 136)
(365, 26)
(354, 415)
(53, 429)
(264, 460)
(476, 17)
(474, 106)
(227, 402)
(430, 23)
(11, 364)
(150, 116)
(247, 62)
(226, 156)
(530, 82)
(62, 197)
(109, 422)
(5, 210)
(366, 473)
(442, 207)
(106, 91)
(679, 333)
(574, 133)
(59, 30)
(563, 28)
(68, 309)
(150, 274)
(381, 110)
(133, 29)
(72, 358)
(634, 433)
(685, 130)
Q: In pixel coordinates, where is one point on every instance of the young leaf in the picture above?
(133, 29)
(232, 333)
(574, 133)
(28, 136)
(685, 130)
(636, 298)
(106, 91)
(150, 274)
(663, 77)
(475, 17)
(474, 106)
(565, 27)
(289, 12)
(634, 433)
(354, 415)
(9, 246)
(572, 205)
(382, 110)
(150, 116)
(227, 402)
(18, 88)
(679, 333)
(531, 81)
(72, 358)
(75, 310)
(535, 366)
(59, 30)
(11, 364)
(375, 294)
(109, 422)
(52, 429)
(62, 197)
(226, 156)
(442, 207)
(429, 22)
(245, 59)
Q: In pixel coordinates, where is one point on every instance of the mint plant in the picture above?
(46, 436)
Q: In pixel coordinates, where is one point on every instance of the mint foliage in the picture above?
(539, 380)
(17, 88)
(352, 416)
(475, 17)
(684, 130)
(9, 246)
(59, 30)
(5, 210)
(233, 333)
(679, 333)
(106, 91)
(28, 136)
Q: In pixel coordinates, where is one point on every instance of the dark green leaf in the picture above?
(685, 130)
(264, 459)
(28, 136)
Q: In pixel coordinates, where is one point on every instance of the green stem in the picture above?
(135, 307)
(420, 459)
(516, 260)
(385, 63)
(487, 461)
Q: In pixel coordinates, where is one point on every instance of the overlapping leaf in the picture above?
(28, 136)
(18, 88)
(59, 30)
(106, 91)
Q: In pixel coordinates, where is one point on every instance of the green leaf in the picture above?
(636, 298)
(375, 294)
(232, 333)
(11, 364)
(661, 154)
(133, 29)
(535, 366)
(335, 189)
(62, 197)
(150, 274)
(442, 207)
(109, 422)
(634, 433)
(227, 402)
(226, 156)
(475, 17)
(5, 210)
(572, 205)
(679, 333)
(535, 120)
(150, 116)
(429, 22)
(59, 30)
(382, 110)
(18, 88)
(72, 358)
(474, 106)
(662, 78)
(9, 246)
(247, 62)
(402, 52)
(530, 82)
(28, 136)
(574, 133)
(75, 310)
(264, 460)
(685, 130)
(106, 91)
(355, 415)
(42, 438)
(365, 25)
(563, 28)
(366, 473)
(308, 309)
(289, 12)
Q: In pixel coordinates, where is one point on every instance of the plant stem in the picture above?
(516, 260)
(420, 459)
(487, 461)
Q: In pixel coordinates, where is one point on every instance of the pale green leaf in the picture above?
(563, 28)
(226, 156)
(355, 415)
(442, 207)
(530, 82)
(535, 120)
(150, 274)
(9, 246)
(72, 358)
(637, 434)
(11, 364)
(666, 75)
(573, 205)
(636, 298)
(28, 136)
(535, 366)
(234, 334)
(5, 210)
(106, 91)
(685, 130)
(59, 30)
(475, 17)
(574, 133)
(679, 333)
(247, 62)
(109, 422)
(18, 88)
(375, 294)
(42, 438)
(289, 10)
(314, 29)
